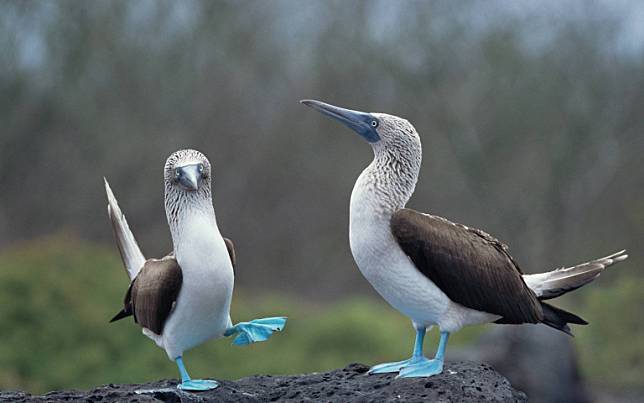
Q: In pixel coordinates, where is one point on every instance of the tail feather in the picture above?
(122, 314)
(558, 318)
(131, 255)
(555, 283)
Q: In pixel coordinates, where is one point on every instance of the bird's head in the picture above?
(187, 171)
(384, 132)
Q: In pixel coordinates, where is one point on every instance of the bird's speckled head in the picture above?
(187, 184)
(385, 133)
(396, 134)
(187, 171)
(397, 148)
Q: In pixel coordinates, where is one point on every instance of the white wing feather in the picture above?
(558, 282)
(131, 255)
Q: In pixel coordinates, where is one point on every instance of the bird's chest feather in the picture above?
(387, 268)
(205, 264)
(202, 310)
(379, 257)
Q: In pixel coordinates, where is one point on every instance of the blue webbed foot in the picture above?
(194, 385)
(198, 385)
(395, 366)
(255, 330)
(422, 369)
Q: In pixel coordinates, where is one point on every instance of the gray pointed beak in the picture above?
(189, 177)
(363, 123)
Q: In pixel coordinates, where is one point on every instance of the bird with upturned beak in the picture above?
(434, 271)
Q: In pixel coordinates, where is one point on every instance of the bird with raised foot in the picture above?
(183, 299)
(432, 270)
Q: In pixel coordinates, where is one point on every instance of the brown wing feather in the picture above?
(231, 251)
(471, 267)
(153, 293)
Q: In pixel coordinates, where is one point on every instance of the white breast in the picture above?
(202, 310)
(392, 273)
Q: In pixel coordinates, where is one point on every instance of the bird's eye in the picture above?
(177, 173)
(374, 123)
(200, 168)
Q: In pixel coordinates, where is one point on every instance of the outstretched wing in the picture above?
(131, 255)
(153, 293)
(471, 267)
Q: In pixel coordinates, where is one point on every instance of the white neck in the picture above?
(385, 186)
(189, 216)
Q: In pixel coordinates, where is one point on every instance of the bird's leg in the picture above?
(195, 385)
(416, 358)
(255, 330)
(418, 343)
(428, 367)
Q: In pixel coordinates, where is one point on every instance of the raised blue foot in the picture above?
(389, 367)
(255, 330)
(198, 385)
(422, 369)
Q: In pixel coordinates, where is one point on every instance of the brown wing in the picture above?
(152, 294)
(231, 251)
(468, 265)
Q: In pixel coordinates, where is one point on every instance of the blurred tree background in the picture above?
(530, 113)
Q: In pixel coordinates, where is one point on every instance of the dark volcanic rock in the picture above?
(460, 382)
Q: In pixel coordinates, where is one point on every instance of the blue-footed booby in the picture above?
(432, 270)
(183, 299)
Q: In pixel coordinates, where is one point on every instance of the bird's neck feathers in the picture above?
(388, 183)
(181, 207)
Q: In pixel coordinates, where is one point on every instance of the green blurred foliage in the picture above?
(612, 351)
(530, 120)
(57, 295)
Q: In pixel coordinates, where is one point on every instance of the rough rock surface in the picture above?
(459, 382)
